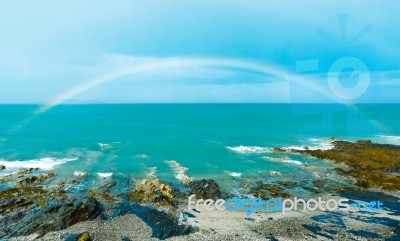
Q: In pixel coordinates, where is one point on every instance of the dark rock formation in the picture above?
(205, 189)
(278, 150)
(163, 225)
(33, 211)
(34, 179)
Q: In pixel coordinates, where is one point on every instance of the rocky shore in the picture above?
(35, 205)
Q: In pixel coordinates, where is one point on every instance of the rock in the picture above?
(163, 225)
(26, 218)
(205, 189)
(111, 184)
(166, 190)
(25, 172)
(34, 179)
(84, 237)
(151, 191)
(278, 150)
(19, 174)
(2, 167)
(266, 191)
(371, 164)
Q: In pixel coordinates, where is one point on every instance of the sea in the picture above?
(230, 143)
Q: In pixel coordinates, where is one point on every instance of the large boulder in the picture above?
(150, 191)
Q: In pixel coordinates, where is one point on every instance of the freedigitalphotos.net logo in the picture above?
(251, 205)
(341, 67)
(349, 58)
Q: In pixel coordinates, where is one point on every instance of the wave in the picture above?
(142, 156)
(293, 162)
(180, 171)
(104, 174)
(46, 163)
(152, 172)
(234, 174)
(283, 159)
(388, 139)
(104, 146)
(80, 174)
(250, 149)
(275, 173)
(313, 144)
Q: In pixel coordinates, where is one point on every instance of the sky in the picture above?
(170, 51)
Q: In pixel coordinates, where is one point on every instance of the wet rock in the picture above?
(111, 184)
(245, 186)
(266, 191)
(19, 174)
(25, 172)
(2, 167)
(34, 179)
(205, 188)
(278, 150)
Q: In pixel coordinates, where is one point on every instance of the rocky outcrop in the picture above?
(205, 188)
(2, 167)
(278, 150)
(371, 164)
(34, 179)
(29, 210)
(17, 175)
(150, 191)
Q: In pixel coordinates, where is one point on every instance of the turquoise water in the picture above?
(227, 142)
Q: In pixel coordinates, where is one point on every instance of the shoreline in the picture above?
(149, 209)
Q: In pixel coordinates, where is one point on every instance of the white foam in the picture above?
(152, 172)
(249, 149)
(275, 173)
(142, 156)
(80, 174)
(104, 175)
(180, 171)
(313, 144)
(104, 146)
(46, 163)
(293, 162)
(388, 139)
(283, 159)
(234, 174)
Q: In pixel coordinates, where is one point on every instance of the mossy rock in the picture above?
(372, 165)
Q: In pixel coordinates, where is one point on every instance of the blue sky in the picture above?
(199, 51)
